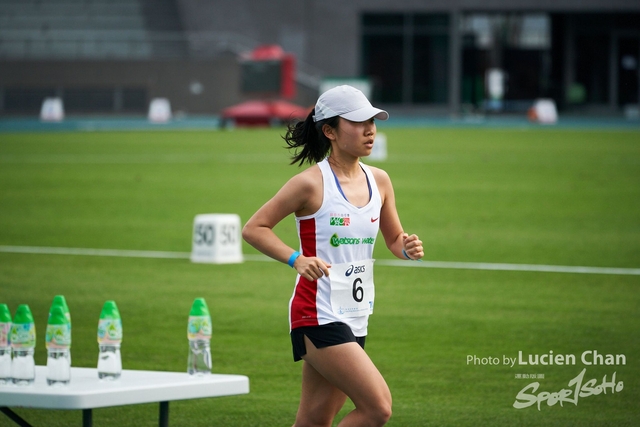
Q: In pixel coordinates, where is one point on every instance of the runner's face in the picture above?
(356, 137)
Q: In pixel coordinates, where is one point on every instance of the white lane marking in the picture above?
(386, 262)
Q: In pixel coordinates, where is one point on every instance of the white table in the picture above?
(86, 391)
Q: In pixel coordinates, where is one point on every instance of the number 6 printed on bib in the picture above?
(352, 289)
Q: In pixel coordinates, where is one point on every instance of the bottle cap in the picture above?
(57, 316)
(110, 310)
(23, 315)
(199, 308)
(5, 314)
(59, 301)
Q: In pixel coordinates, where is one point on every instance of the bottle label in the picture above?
(109, 331)
(58, 336)
(23, 335)
(199, 328)
(5, 333)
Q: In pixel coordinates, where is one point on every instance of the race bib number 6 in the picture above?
(352, 290)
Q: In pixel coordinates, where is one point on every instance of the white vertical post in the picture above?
(379, 152)
(52, 110)
(159, 110)
(545, 112)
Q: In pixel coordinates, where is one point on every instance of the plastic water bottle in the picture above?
(199, 336)
(23, 343)
(5, 345)
(109, 339)
(62, 302)
(58, 341)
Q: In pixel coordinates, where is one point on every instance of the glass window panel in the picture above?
(382, 62)
(89, 100)
(134, 99)
(431, 21)
(430, 65)
(383, 20)
(591, 67)
(26, 99)
(406, 57)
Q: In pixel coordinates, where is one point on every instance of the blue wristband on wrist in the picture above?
(408, 257)
(294, 256)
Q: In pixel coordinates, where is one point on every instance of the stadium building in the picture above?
(416, 56)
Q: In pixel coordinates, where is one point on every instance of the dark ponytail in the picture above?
(308, 135)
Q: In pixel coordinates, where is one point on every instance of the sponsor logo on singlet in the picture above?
(337, 241)
(339, 220)
(354, 269)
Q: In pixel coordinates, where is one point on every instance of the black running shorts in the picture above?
(322, 336)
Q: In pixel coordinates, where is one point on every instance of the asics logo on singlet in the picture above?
(337, 241)
(355, 269)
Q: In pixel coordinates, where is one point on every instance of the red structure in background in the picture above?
(268, 73)
(287, 65)
(264, 113)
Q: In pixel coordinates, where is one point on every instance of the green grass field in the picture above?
(520, 196)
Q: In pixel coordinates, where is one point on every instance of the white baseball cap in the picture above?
(347, 102)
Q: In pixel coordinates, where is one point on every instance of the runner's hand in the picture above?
(311, 268)
(412, 246)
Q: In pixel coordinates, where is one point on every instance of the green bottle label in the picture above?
(23, 335)
(5, 334)
(199, 327)
(109, 331)
(58, 336)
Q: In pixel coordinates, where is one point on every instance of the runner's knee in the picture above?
(378, 413)
(382, 414)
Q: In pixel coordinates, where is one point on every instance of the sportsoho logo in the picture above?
(337, 241)
(340, 221)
